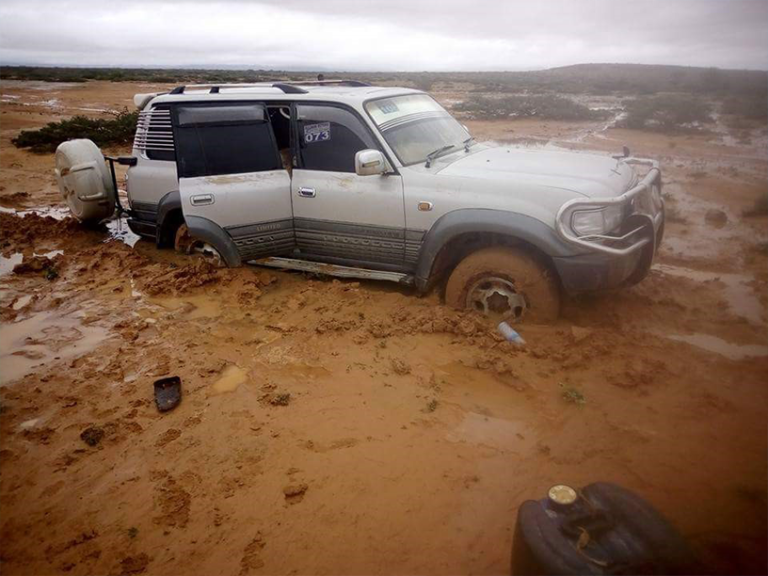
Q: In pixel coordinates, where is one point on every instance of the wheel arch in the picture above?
(169, 217)
(210, 232)
(459, 233)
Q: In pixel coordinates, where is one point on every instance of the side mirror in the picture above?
(370, 163)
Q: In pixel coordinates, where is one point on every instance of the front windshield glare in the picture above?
(415, 125)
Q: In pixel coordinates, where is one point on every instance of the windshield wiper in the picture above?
(432, 155)
(467, 142)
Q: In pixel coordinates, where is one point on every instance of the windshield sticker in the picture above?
(317, 132)
(387, 106)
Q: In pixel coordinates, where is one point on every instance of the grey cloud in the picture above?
(391, 35)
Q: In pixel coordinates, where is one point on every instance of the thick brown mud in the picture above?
(342, 427)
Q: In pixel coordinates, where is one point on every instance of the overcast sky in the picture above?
(384, 35)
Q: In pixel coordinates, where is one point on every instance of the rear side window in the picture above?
(329, 137)
(154, 135)
(227, 139)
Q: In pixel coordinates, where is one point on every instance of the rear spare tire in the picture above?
(506, 284)
(84, 180)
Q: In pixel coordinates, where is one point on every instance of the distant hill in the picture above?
(632, 77)
(579, 78)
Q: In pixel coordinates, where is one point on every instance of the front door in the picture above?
(230, 172)
(338, 215)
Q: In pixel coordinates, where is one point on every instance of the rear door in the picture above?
(230, 172)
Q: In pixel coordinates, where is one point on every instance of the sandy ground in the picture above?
(337, 427)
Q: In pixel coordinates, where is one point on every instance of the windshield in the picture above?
(415, 125)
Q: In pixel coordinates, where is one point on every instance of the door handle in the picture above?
(202, 199)
(307, 192)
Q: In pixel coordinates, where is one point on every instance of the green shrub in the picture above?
(667, 113)
(545, 107)
(103, 131)
(753, 107)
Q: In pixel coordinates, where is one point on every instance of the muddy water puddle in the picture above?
(229, 381)
(118, 230)
(190, 307)
(42, 338)
(496, 433)
(719, 346)
(57, 212)
(702, 240)
(497, 412)
(22, 301)
(738, 294)
(7, 263)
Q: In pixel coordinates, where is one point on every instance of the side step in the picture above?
(333, 270)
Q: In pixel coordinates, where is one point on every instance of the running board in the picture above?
(333, 270)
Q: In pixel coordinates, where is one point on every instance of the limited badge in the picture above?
(317, 132)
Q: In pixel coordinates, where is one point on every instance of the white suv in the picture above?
(349, 179)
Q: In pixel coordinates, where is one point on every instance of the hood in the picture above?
(590, 175)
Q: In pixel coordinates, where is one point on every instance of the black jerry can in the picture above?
(601, 529)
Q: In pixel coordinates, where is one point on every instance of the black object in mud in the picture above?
(167, 393)
(607, 530)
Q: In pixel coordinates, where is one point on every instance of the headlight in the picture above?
(589, 222)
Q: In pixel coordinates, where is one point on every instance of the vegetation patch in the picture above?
(103, 131)
(572, 395)
(667, 113)
(750, 106)
(543, 106)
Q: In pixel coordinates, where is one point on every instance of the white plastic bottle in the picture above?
(511, 335)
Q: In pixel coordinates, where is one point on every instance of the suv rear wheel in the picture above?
(505, 284)
(187, 244)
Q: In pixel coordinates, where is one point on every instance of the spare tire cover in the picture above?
(84, 180)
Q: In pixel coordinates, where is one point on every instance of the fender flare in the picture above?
(167, 204)
(463, 221)
(216, 236)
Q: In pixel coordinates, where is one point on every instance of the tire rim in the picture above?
(498, 298)
(207, 252)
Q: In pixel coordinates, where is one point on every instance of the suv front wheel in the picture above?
(505, 284)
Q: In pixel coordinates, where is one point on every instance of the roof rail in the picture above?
(355, 83)
(289, 88)
(214, 88)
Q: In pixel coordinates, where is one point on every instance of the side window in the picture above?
(329, 137)
(154, 135)
(224, 139)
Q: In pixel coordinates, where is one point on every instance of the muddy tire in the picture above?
(505, 284)
(182, 241)
(84, 181)
(187, 244)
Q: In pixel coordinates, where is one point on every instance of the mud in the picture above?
(352, 427)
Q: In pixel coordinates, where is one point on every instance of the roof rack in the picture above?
(289, 87)
(353, 83)
(214, 88)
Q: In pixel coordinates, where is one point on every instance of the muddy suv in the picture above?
(348, 179)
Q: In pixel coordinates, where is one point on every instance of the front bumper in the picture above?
(597, 271)
(625, 257)
(644, 212)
